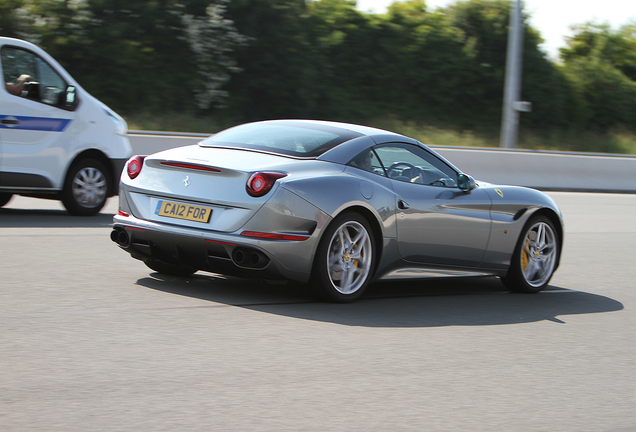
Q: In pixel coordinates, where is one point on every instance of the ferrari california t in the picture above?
(332, 205)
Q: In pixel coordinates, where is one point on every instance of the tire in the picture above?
(168, 269)
(86, 188)
(535, 258)
(345, 259)
(5, 198)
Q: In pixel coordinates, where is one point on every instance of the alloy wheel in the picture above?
(349, 257)
(538, 254)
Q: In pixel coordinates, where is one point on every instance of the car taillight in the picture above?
(260, 183)
(134, 166)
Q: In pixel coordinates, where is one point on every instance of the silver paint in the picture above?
(444, 231)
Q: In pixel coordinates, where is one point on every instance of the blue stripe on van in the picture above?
(35, 123)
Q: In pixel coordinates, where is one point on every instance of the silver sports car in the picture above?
(332, 205)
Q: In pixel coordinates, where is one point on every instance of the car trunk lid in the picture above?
(201, 187)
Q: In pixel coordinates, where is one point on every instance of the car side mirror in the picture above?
(70, 100)
(465, 182)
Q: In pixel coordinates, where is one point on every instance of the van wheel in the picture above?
(5, 198)
(86, 188)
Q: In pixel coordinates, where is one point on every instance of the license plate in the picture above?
(183, 211)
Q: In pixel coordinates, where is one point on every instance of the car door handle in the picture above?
(403, 205)
(11, 122)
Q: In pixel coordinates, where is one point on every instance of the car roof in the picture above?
(294, 138)
(362, 130)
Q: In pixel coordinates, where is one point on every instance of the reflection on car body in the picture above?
(333, 205)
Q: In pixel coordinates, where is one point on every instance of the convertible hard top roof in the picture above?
(297, 138)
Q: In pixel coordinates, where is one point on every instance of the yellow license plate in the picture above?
(183, 211)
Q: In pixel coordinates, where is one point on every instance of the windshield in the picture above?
(286, 138)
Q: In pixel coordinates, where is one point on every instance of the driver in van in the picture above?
(17, 86)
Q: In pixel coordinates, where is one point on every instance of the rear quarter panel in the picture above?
(343, 188)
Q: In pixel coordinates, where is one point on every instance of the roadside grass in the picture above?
(615, 141)
(175, 122)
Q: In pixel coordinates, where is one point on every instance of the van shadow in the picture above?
(49, 218)
(430, 303)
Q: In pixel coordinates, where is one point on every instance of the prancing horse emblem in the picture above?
(186, 182)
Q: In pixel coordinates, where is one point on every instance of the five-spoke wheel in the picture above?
(535, 258)
(345, 258)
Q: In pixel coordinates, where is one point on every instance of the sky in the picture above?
(552, 18)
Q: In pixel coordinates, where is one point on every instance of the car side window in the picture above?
(27, 75)
(413, 164)
(368, 161)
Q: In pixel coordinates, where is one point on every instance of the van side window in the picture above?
(27, 75)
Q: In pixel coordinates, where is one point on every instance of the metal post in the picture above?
(512, 86)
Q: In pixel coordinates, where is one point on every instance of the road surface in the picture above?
(91, 339)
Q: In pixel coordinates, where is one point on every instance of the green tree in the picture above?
(485, 25)
(143, 59)
(430, 62)
(15, 20)
(280, 77)
(159, 56)
(600, 64)
(600, 41)
(351, 60)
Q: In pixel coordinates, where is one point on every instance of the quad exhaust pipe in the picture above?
(121, 237)
(242, 257)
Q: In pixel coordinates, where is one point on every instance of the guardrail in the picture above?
(545, 170)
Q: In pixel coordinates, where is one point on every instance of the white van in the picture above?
(56, 140)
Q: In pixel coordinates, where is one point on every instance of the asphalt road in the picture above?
(92, 340)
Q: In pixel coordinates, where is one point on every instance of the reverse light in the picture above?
(134, 166)
(274, 236)
(260, 183)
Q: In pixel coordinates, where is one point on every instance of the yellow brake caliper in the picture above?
(524, 254)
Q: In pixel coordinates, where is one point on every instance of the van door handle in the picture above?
(403, 205)
(12, 122)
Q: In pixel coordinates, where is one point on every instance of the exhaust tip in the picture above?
(120, 237)
(239, 257)
(249, 258)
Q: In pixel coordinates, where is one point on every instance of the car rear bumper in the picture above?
(229, 254)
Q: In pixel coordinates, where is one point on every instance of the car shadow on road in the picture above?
(430, 303)
(49, 218)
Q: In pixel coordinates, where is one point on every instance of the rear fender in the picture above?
(353, 187)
